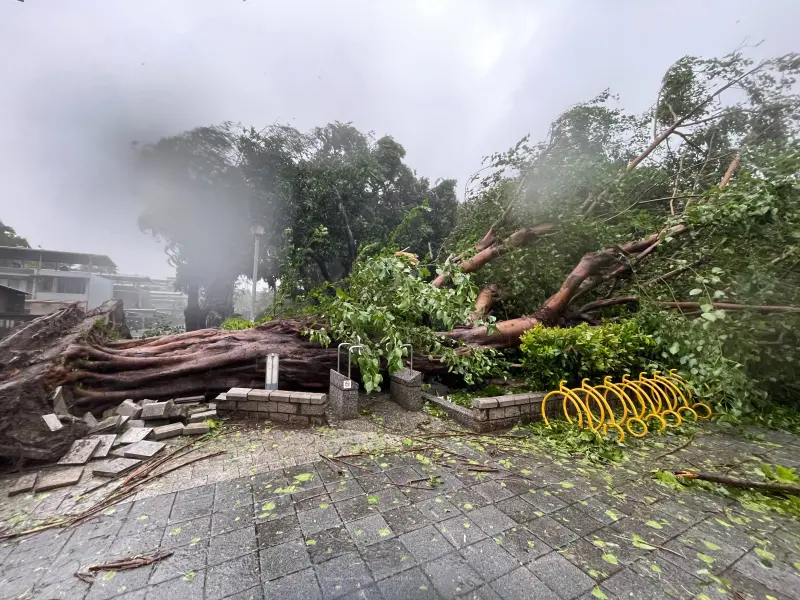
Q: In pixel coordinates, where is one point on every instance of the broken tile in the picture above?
(120, 451)
(131, 436)
(157, 410)
(24, 484)
(59, 402)
(189, 399)
(121, 424)
(49, 480)
(89, 419)
(114, 467)
(80, 452)
(196, 428)
(136, 423)
(52, 422)
(107, 424)
(129, 408)
(104, 447)
(143, 449)
(167, 431)
(202, 416)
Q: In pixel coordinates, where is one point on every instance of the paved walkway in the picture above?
(270, 519)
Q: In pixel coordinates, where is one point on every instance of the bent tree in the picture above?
(685, 218)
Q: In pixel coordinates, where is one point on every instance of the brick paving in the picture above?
(270, 519)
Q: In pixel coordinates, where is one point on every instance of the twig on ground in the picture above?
(87, 573)
(674, 450)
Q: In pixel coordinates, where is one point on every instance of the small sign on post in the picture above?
(271, 377)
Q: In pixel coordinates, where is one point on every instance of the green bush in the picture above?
(236, 324)
(551, 354)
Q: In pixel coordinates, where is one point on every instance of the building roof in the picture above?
(56, 256)
(9, 290)
(129, 278)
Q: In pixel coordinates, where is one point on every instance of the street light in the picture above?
(257, 230)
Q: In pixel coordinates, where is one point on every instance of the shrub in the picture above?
(551, 354)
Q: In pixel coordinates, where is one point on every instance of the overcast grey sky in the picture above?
(452, 80)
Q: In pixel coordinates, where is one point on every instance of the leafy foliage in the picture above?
(386, 303)
(550, 354)
(236, 324)
(9, 237)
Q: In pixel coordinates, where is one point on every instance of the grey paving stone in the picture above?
(232, 490)
(301, 585)
(521, 584)
(576, 520)
(143, 449)
(357, 507)
(231, 545)
(162, 432)
(522, 544)
(339, 576)
(135, 434)
(198, 428)
(188, 587)
(114, 466)
(387, 558)
(404, 519)
(271, 533)
(676, 581)
(156, 509)
(369, 530)
(329, 544)
(228, 520)
(489, 559)
(56, 478)
(493, 491)
(403, 475)
(426, 544)
(407, 585)
(104, 447)
(52, 421)
(255, 593)
(347, 488)
(543, 501)
(274, 507)
(627, 584)
(451, 575)
(598, 563)
(283, 559)
(599, 511)
(467, 499)
(491, 520)
(184, 509)
(187, 532)
(317, 519)
(561, 576)
(23, 484)
(519, 510)
(389, 498)
(231, 577)
(374, 481)
(185, 559)
(437, 508)
(460, 531)
(143, 542)
(108, 586)
(311, 498)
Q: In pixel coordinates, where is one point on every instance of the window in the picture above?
(71, 285)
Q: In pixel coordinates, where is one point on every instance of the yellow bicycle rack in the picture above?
(629, 405)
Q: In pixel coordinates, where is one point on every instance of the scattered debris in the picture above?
(133, 435)
(120, 451)
(143, 449)
(107, 424)
(24, 484)
(52, 422)
(135, 423)
(779, 488)
(168, 431)
(104, 447)
(115, 467)
(196, 428)
(59, 402)
(130, 409)
(50, 480)
(190, 400)
(89, 419)
(200, 417)
(80, 452)
(87, 573)
(157, 410)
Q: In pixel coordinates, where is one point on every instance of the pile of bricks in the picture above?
(498, 412)
(296, 408)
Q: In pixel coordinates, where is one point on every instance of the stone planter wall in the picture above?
(296, 408)
(499, 412)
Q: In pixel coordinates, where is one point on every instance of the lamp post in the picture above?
(258, 230)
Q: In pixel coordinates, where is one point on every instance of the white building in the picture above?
(54, 278)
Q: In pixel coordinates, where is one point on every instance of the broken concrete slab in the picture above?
(167, 431)
(120, 451)
(104, 447)
(109, 412)
(114, 467)
(200, 417)
(24, 484)
(190, 400)
(60, 402)
(135, 423)
(80, 452)
(221, 397)
(157, 410)
(146, 401)
(131, 436)
(53, 479)
(196, 428)
(122, 424)
(143, 449)
(129, 408)
(89, 419)
(52, 422)
(106, 424)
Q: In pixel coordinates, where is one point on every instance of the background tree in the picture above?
(9, 237)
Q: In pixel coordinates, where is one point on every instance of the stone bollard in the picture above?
(405, 387)
(342, 397)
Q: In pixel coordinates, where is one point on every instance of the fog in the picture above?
(450, 80)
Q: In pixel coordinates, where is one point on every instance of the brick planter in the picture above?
(295, 408)
(499, 412)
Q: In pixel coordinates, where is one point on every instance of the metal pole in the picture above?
(255, 278)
